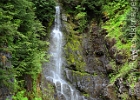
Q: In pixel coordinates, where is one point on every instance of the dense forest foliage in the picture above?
(25, 27)
(22, 43)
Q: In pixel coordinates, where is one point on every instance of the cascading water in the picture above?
(54, 68)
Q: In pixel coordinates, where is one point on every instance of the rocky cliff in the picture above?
(93, 62)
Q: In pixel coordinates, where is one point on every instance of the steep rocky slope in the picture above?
(95, 66)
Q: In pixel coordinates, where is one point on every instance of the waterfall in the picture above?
(54, 68)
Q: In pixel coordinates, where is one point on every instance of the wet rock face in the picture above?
(113, 52)
(110, 92)
(109, 68)
(95, 51)
(92, 81)
(136, 91)
(110, 42)
(4, 93)
(87, 83)
(60, 96)
(120, 59)
(101, 57)
(96, 60)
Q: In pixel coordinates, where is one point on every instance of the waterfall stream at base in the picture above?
(54, 71)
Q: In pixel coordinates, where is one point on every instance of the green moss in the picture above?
(124, 96)
(73, 48)
(95, 74)
(86, 95)
(81, 74)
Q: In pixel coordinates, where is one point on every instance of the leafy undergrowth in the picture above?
(117, 27)
(117, 14)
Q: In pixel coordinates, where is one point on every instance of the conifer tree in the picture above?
(21, 37)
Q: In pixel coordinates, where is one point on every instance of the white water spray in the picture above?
(54, 67)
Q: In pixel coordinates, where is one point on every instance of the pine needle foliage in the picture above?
(21, 37)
